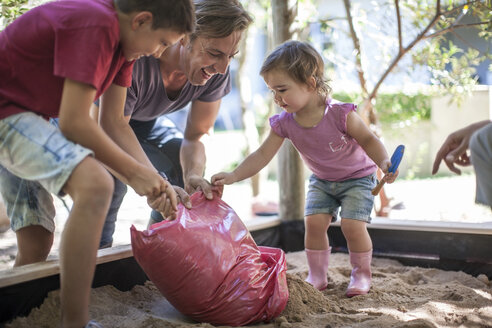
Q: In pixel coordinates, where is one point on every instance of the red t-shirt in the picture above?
(76, 39)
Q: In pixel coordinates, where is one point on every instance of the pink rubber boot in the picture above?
(360, 278)
(318, 267)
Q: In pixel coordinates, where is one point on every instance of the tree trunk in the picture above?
(290, 165)
(250, 132)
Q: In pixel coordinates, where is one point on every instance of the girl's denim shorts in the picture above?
(352, 196)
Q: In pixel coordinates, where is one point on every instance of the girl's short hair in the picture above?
(219, 18)
(300, 61)
(178, 15)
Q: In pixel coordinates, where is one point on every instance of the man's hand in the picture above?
(454, 150)
(183, 196)
(196, 183)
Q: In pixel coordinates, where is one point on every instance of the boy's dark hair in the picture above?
(219, 18)
(178, 15)
(300, 61)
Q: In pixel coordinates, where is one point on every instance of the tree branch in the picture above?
(398, 20)
(451, 28)
(402, 52)
(355, 40)
(469, 45)
(460, 7)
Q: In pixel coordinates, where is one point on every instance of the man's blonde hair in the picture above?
(219, 18)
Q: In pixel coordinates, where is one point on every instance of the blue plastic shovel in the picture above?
(395, 162)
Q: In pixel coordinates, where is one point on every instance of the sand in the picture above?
(401, 296)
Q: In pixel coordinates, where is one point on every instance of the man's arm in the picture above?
(113, 121)
(200, 121)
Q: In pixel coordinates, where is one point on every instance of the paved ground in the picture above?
(441, 199)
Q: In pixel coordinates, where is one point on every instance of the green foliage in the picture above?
(451, 68)
(395, 107)
(10, 10)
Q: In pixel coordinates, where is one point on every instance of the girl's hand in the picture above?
(388, 176)
(391, 177)
(223, 178)
(385, 165)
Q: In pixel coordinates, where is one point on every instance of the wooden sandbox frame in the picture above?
(443, 245)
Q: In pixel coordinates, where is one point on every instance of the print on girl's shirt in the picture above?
(337, 146)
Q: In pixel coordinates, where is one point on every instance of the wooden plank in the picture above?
(429, 226)
(262, 222)
(52, 267)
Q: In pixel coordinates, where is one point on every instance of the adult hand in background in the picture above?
(454, 150)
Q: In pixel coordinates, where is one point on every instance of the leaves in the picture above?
(10, 10)
(395, 107)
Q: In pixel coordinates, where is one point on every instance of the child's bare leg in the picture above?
(316, 228)
(33, 245)
(90, 187)
(317, 249)
(356, 235)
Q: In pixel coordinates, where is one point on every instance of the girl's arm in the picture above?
(374, 148)
(253, 163)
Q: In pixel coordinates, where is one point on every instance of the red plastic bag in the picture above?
(207, 265)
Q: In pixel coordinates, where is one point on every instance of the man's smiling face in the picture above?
(203, 58)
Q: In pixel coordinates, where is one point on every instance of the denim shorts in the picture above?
(353, 196)
(35, 161)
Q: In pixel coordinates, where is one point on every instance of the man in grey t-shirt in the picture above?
(195, 70)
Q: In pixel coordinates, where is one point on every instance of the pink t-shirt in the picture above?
(76, 39)
(329, 152)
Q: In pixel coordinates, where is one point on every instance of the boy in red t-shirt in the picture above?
(56, 59)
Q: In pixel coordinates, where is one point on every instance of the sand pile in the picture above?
(401, 296)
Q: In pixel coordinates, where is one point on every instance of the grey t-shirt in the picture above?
(481, 158)
(147, 98)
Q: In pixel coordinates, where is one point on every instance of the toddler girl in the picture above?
(338, 148)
